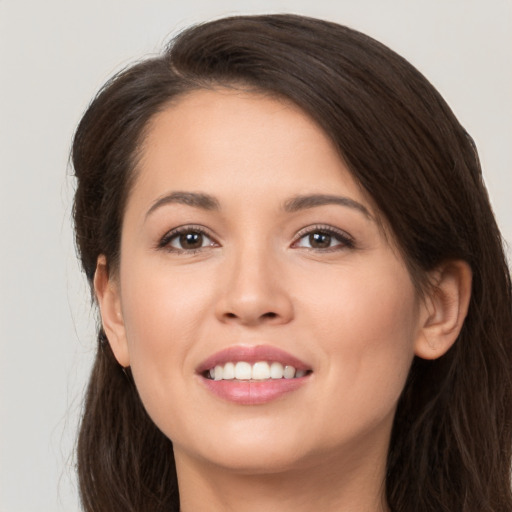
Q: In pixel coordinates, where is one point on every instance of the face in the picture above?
(268, 320)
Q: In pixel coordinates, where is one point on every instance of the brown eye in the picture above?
(190, 240)
(319, 240)
(186, 239)
(323, 239)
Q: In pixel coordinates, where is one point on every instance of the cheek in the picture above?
(162, 305)
(371, 306)
(366, 326)
(163, 314)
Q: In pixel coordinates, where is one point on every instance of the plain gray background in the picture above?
(54, 55)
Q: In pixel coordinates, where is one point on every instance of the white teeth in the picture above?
(260, 370)
(276, 371)
(229, 371)
(289, 372)
(243, 371)
(218, 372)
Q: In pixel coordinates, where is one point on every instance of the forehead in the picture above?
(236, 137)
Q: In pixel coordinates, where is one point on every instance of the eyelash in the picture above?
(345, 240)
(182, 230)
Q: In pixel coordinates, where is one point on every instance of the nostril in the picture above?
(252, 316)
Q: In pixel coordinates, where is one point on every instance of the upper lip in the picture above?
(251, 354)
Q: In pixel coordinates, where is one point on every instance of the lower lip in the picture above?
(253, 392)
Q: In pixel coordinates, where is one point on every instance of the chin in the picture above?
(255, 460)
(245, 448)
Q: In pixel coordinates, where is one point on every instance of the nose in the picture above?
(254, 290)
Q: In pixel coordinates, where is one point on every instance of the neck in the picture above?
(348, 484)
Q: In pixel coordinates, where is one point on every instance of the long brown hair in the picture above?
(451, 445)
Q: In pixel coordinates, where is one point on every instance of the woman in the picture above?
(303, 294)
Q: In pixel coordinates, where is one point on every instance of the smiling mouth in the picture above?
(258, 371)
(253, 375)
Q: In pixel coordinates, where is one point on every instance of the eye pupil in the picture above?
(191, 240)
(319, 240)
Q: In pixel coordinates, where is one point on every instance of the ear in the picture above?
(109, 300)
(444, 309)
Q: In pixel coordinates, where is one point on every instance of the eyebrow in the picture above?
(294, 204)
(312, 201)
(194, 199)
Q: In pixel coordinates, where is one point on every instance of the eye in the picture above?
(323, 238)
(186, 239)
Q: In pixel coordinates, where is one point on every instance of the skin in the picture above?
(349, 309)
